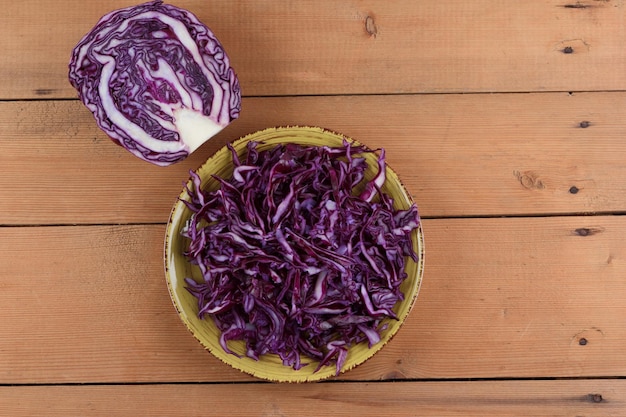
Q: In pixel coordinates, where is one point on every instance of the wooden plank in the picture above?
(329, 47)
(459, 155)
(501, 298)
(445, 399)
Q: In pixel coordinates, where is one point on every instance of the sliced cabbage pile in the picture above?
(300, 255)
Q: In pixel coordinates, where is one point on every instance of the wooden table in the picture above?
(506, 121)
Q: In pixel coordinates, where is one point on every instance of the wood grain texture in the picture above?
(353, 47)
(444, 399)
(501, 298)
(459, 155)
(522, 183)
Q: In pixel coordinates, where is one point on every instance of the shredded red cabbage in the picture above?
(295, 261)
(156, 79)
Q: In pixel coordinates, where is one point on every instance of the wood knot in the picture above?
(587, 336)
(529, 180)
(587, 231)
(586, 5)
(595, 398)
(370, 26)
(43, 91)
(393, 375)
(572, 46)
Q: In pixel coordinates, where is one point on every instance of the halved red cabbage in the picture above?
(157, 81)
(296, 261)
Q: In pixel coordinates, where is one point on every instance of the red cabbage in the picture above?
(157, 81)
(295, 261)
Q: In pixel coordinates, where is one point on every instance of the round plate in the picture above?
(177, 268)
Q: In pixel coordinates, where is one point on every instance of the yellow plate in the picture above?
(177, 268)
